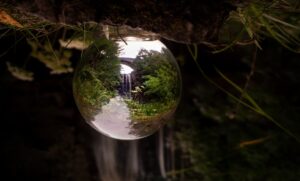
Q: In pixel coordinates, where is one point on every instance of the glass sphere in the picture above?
(127, 88)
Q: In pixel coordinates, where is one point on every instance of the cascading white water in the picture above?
(126, 80)
(122, 83)
(161, 154)
(124, 161)
(116, 161)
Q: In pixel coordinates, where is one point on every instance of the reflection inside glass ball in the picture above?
(127, 89)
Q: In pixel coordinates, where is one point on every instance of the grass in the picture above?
(278, 19)
(150, 111)
(249, 100)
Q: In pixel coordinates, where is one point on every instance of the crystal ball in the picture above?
(127, 88)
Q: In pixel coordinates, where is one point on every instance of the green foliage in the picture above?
(158, 81)
(158, 75)
(56, 60)
(162, 83)
(98, 73)
(91, 89)
(280, 26)
(149, 111)
(102, 58)
(278, 19)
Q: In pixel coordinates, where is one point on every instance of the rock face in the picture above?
(186, 21)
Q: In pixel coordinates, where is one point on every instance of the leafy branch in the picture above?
(251, 103)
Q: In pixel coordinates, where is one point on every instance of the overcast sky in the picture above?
(134, 45)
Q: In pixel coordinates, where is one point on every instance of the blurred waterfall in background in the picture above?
(146, 159)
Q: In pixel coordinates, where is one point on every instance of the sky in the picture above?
(134, 45)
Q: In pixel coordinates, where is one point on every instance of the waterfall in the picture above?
(126, 85)
(129, 84)
(136, 160)
(161, 159)
(126, 80)
(122, 83)
(116, 160)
